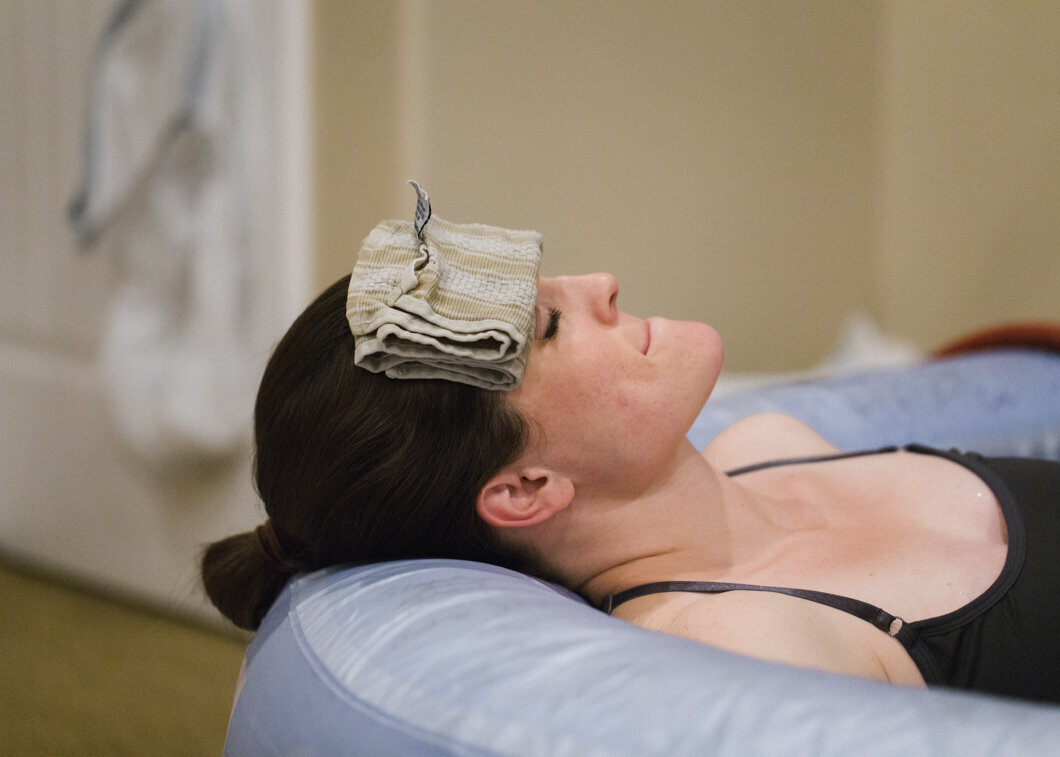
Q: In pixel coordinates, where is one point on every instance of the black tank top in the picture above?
(1005, 641)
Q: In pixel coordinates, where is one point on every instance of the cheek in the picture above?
(623, 400)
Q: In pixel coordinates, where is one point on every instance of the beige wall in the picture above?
(970, 179)
(767, 167)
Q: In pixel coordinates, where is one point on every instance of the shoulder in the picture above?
(771, 627)
(762, 437)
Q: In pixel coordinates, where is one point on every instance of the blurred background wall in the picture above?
(769, 167)
(968, 197)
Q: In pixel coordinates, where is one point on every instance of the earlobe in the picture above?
(523, 497)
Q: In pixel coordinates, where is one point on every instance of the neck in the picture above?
(692, 521)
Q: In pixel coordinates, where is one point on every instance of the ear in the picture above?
(523, 497)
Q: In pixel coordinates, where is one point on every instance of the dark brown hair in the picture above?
(354, 467)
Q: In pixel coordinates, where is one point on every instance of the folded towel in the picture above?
(438, 300)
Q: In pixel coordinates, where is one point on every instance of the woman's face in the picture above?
(610, 393)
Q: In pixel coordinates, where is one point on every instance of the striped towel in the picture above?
(454, 303)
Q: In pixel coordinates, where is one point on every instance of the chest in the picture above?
(919, 537)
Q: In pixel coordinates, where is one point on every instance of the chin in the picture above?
(708, 356)
(695, 364)
(705, 345)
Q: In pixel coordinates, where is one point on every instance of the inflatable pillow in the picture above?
(441, 657)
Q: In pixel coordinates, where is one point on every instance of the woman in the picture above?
(583, 474)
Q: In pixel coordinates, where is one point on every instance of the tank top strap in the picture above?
(811, 459)
(890, 624)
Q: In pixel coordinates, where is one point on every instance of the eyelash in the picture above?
(553, 325)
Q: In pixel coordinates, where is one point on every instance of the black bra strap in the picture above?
(883, 620)
(806, 460)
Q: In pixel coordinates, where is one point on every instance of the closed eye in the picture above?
(553, 325)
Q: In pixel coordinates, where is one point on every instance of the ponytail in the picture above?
(241, 580)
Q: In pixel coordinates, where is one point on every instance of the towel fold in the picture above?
(456, 303)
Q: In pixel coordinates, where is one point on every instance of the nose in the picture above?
(602, 290)
(595, 292)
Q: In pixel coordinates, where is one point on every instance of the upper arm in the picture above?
(762, 437)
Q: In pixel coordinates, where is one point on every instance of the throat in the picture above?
(717, 530)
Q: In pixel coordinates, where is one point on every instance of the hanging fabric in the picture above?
(170, 143)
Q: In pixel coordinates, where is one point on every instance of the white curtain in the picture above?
(168, 185)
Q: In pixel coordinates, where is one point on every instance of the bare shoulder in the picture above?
(762, 437)
(771, 627)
